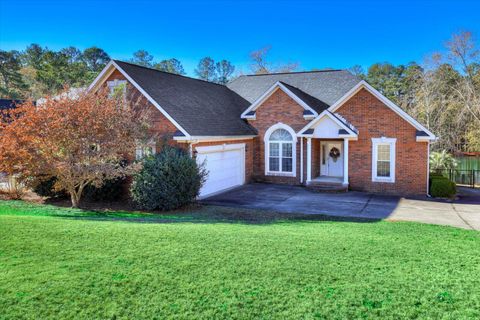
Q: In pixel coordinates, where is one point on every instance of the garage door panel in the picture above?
(225, 170)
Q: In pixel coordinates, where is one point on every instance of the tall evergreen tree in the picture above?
(95, 58)
(224, 70)
(73, 54)
(12, 85)
(387, 78)
(206, 69)
(33, 55)
(142, 58)
(170, 65)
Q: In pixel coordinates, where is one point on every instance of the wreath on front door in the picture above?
(334, 154)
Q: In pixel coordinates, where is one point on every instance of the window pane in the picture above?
(383, 168)
(274, 164)
(274, 149)
(383, 152)
(281, 135)
(287, 164)
(287, 150)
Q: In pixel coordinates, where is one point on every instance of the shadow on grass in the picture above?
(126, 212)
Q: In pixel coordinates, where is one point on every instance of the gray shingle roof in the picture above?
(312, 102)
(206, 109)
(202, 108)
(319, 88)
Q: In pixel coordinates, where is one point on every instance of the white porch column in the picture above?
(345, 161)
(309, 160)
(301, 159)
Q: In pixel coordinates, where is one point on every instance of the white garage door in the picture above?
(225, 165)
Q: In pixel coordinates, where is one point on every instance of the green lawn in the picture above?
(215, 262)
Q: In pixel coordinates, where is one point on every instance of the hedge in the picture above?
(442, 187)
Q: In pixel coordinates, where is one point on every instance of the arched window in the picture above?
(280, 151)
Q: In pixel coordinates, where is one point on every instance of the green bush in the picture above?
(168, 180)
(441, 187)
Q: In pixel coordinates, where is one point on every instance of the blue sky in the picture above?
(317, 34)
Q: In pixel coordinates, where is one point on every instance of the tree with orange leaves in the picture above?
(79, 138)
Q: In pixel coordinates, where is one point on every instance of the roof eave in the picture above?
(200, 138)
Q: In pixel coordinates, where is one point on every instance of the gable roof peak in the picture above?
(195, 107)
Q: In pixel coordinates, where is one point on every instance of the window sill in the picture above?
(280, 174)
(389, 180)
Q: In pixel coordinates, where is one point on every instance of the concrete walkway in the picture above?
(461, 213)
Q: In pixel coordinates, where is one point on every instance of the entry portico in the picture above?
(327, 149)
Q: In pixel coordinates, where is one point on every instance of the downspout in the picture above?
(192, 142)
(428, 169)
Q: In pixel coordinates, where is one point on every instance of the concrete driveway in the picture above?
(461, 213)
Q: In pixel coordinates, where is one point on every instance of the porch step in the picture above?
(327, 187)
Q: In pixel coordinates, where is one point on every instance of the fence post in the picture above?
(473, 179)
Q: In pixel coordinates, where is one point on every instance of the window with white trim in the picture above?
(383, 159)
(280, 152)
(117, 88)
(142, 151)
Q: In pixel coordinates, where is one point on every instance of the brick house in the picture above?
(325, 129)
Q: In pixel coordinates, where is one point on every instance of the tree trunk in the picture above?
(75, 196)
(74, 199)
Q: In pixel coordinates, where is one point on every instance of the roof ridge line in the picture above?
(170, 73)
(294, 72)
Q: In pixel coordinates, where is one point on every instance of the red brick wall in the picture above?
(373, 119)
(164, 129)
(161, 127)
(279, 107)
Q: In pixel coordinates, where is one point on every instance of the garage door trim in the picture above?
(221, 147)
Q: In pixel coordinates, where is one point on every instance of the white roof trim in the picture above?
(212, 138)
(327, 113)
(385, 100)
(106, 72)
(269, 92)
(424, 139)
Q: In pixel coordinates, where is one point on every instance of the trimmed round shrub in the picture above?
(442, 188)
(168, 180)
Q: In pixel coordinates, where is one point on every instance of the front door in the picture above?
(331, 158)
